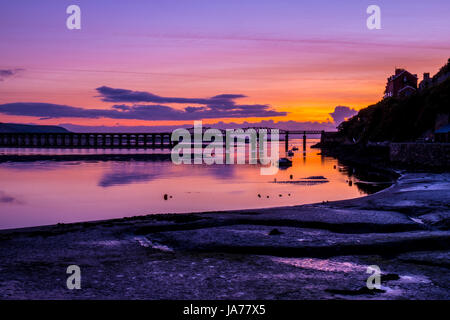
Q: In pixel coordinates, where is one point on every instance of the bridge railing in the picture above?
(107, 140)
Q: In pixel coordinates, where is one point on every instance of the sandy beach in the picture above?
(317, 251)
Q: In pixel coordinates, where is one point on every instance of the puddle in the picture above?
(144, 242)
(414, 279)
(432, 187)
(322, 264)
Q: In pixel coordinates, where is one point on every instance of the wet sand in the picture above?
(317, 251)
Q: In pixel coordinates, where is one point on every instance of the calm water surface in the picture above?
(49, 192)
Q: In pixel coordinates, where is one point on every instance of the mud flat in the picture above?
(317, 251)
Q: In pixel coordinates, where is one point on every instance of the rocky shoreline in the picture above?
(317, 251)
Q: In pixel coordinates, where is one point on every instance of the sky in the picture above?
(160, 63)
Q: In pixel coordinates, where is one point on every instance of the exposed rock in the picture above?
(275, 232)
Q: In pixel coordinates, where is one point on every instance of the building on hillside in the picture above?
(401, 84)
(442, 75)
(426, 82)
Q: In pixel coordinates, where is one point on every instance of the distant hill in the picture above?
(26, 128)
(401, 119)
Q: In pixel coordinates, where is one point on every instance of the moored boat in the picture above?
(284, 162)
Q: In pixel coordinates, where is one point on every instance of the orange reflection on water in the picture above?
(41, 193)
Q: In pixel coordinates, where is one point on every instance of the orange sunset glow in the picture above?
(298, 66)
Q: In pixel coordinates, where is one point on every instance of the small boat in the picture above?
(284, 163)
(290, 153)
(294, 149)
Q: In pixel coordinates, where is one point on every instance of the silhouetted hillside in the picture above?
(26, 128)
(400, 119)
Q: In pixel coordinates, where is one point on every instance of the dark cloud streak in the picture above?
(136, 112)
(109, 94)
(7, 73)
(140, 105)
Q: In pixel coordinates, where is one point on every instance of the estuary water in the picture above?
(35, 193)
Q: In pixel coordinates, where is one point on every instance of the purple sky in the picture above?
(292, 60)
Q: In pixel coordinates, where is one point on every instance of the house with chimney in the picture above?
(442, 75)
(401, 84)
(426, 82)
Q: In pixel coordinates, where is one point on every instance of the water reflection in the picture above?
(69, 191)
(367, 181)
(118, 178)
(123, 173)
(5, 198)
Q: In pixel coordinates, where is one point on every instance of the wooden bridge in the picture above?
(160, 140)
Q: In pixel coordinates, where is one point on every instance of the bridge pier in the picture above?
(286, 141)
(304, 141)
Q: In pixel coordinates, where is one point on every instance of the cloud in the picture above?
(342, 113)
(219, 106)
(7, 73)
(48, 110)
(138, 112)
(108, 94)
(343, 42)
